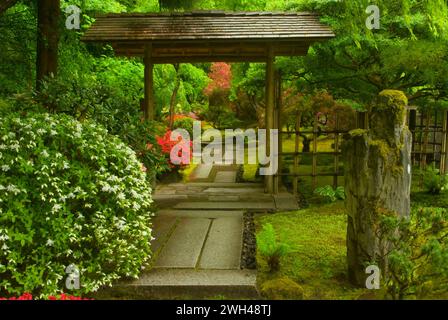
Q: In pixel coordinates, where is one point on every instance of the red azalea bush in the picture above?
(167, 145)
(62, 296)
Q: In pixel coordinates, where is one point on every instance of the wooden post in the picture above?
(444, 149)
(295, 180)
(314, 154)
(278, 125)
(336, 156)
(269, 117)
(149, 84)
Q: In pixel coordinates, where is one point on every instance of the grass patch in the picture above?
(317, 262)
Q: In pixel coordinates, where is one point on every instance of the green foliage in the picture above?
(434, 182)
(419, 257)
(85, 97)
(176, 4)
(221, 117)
(331, 194)
(71, 194)
(270, 248)
(184, 123)
(17, 50)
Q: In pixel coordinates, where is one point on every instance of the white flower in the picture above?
(4, 237)
(44, 154)
(49, 243)
(12, 188)
(15, 146)
(5, 167)
(120, 225)
(5, 247)
(56, 207)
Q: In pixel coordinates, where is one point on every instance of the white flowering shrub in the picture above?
(70, 194)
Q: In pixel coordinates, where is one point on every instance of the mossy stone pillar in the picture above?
(377, 182)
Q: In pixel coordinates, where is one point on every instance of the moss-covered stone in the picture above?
(376, 181)
(282, 289)
(358, 132)
(393, 101)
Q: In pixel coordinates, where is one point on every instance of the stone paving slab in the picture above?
(161, 228)
(234, 190)
(268, 205)
(210, 214)
(173, 197)
(183, 248)
(225, 176)
(223, 198)
(222, 250)
(202, 171)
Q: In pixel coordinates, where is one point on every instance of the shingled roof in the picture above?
(209, 34)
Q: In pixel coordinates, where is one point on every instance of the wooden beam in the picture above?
(269, 115)
(149, 84)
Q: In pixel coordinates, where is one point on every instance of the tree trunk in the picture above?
(306, 143)
(174, 96)
(48, 14)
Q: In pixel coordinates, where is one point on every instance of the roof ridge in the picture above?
(210, 13)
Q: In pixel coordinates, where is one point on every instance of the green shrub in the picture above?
(85, 97)
(434, 182)
(222, 117)
(184, 123)
(418, 262)
(269, 248)
(331, 194)
(70, 194)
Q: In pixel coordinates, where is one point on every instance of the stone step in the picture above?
(214, 184)
(245, 190)
(209, 205)
(210, 214)
(202, 171)
(186, 284)
(225, 176)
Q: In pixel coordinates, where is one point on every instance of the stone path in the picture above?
(198, 232)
